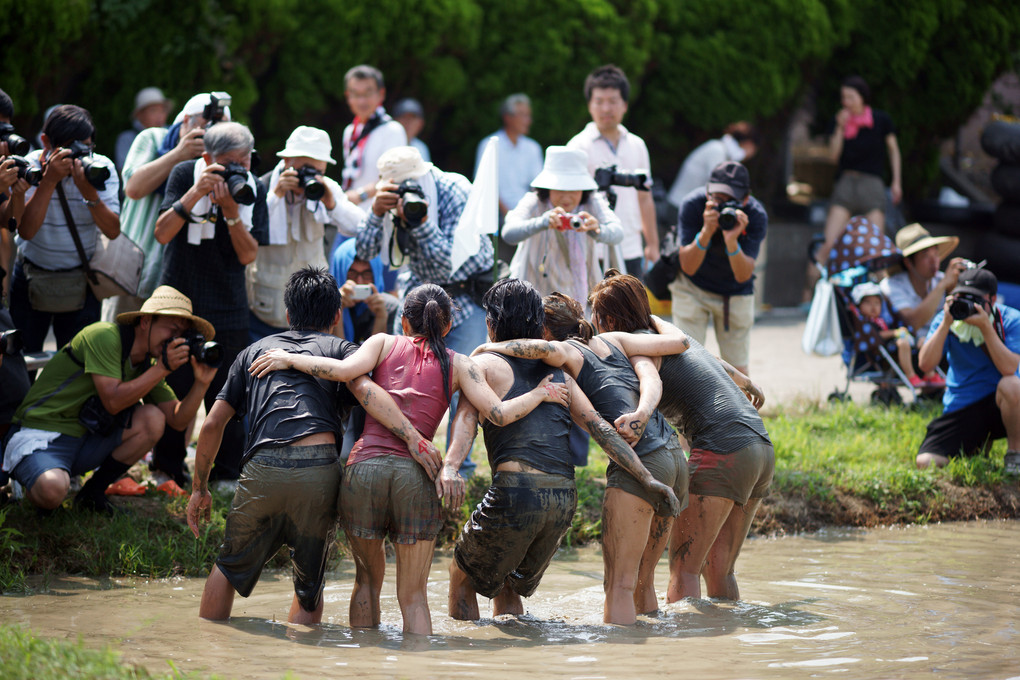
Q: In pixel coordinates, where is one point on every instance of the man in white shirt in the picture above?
(370, 134)
(739, 143)
(608, 142)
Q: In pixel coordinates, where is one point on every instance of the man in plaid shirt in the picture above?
(425, 243)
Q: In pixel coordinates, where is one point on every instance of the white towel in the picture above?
(428, 186)
(203, 228)
(25, 442)
(278, 213)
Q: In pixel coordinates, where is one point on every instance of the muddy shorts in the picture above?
(667, 465)
(737, 475)
(285, 496)
(390, 496)
(859, 192)
(515, 531)
(965, 431)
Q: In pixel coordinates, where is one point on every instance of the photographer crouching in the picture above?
(414, 215)
(720, 232)
(982, 398)
(82, 412)
(214, 218)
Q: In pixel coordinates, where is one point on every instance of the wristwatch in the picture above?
(231, 221)
(91, 204)
(363, 196)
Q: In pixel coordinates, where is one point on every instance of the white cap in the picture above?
(196, 105)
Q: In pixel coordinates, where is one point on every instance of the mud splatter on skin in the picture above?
(529, 349)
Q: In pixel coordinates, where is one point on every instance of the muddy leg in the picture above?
(507, 602)
(413, 563)
(217, 597)
(645, 601)
(718, 570)
(370, 567)
(626, 520)
(694, 532)
(463, 601)
(299, 615)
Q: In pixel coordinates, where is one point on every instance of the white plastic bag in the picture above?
(821, 334)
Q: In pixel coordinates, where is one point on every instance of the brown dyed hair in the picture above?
(619, 303)
(564, 318)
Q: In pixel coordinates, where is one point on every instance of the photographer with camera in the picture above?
(301, 202)
(721, 229)
(214, 219)
(15, 176)
(608, 143)
(49, 285)
(981, 339)
(82, 413)
(151, 157)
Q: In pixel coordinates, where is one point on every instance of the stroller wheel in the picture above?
(886, 396)
(839, 397)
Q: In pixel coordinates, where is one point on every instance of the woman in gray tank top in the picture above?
(731, 462)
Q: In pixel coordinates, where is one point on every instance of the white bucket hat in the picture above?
(565, 170)
(400, 163)
(310, 142)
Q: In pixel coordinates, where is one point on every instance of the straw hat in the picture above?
(310, 142)
(400, 163)
(914, 238)
(565, 170)
(168, 301)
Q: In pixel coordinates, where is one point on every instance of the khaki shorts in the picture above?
(693, 307)
(390, 496)
(667, 465)
(737, 475)
(285, 496)
(858, 192)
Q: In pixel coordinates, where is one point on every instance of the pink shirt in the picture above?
(630, 155)
(413, 377)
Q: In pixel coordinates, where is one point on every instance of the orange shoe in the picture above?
(125, 486)
(170, 488)
(935, 380)
(917, 381)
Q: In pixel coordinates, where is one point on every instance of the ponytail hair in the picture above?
(619, 303)
(564, 318)
(427, 309)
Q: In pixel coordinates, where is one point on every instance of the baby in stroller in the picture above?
(875, 324)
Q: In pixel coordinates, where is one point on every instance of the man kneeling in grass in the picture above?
(291, 473)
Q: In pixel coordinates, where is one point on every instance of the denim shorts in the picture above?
(390, 496)
(75, 455)
(285, 496)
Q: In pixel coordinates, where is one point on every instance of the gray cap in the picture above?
(408, 106)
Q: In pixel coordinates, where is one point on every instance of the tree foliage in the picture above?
(694, 65)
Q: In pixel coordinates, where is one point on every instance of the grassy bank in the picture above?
(840, 465)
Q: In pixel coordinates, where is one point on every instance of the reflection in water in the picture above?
(884, 603)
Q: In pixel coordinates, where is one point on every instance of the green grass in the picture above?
(27, 657)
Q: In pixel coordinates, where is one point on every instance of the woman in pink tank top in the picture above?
(387, 489)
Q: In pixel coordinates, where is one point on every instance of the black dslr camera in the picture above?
(313, 188)
(11, 342)
(96, 171)
(728, 214)
(209, 353)
(16, 144)
(416, 208)
(964, 305)
(26, 171)
(607, 177)
(216, 110)
(236, 177)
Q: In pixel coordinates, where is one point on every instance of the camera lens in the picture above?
(961, 308)
(728, 218)
(95, 172)
(210, 353)
(313, 188)
(239, 189)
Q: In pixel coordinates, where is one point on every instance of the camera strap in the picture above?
(75, 235)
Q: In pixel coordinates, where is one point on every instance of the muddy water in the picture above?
(889, 603)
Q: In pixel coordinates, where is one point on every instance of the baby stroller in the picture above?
(860, 254)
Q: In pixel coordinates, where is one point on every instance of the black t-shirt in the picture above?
(286, 406)
(210, 273)
(866, 152)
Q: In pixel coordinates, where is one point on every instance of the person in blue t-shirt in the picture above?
(982, 399)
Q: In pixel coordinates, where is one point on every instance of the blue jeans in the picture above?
(464, 338)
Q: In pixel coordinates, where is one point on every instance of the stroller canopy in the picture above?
(863, 244)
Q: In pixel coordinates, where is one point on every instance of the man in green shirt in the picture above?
(101, 375)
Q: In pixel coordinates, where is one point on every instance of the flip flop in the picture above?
(125, 486)
(170, 488)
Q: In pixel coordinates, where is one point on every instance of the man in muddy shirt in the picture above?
(511, 537)
(291, 475)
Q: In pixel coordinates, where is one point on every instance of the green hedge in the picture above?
(695, 65)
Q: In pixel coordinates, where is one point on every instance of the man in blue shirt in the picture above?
(721, 229)
(982, 399)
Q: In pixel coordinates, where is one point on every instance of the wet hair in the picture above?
(427, 309)
(609, 76)
(543, 195)
(620, 303)
(510, 104)
(312, 297)
(226, 137)
(859, 84)
(364, 72)
(6, 105)
(564, 318)
(513, 309)
(69, 123)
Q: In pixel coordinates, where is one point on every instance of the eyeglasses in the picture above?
(360, 275)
